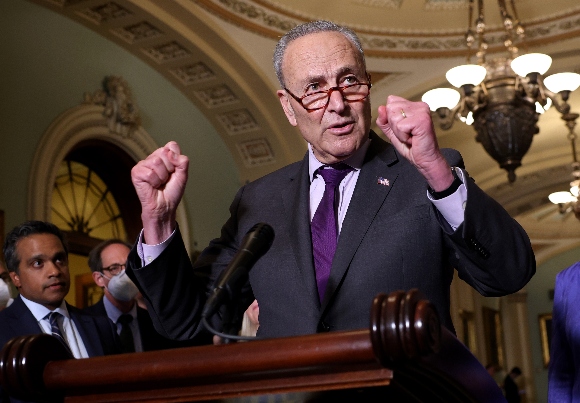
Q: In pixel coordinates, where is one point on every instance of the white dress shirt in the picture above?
(66, 324)
(114, 314)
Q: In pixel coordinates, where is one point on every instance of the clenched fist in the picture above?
(160, 182)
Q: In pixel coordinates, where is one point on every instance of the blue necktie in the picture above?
(324, 226)
(55, 329)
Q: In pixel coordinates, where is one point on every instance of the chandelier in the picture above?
(503, 97)
(568, 201)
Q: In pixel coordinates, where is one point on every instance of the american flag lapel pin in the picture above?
(383, 181)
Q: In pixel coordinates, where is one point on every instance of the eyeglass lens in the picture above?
(350, 93)
(115, 269)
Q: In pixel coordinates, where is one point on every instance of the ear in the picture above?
(15, 279)
(98, 279)
(288, 110)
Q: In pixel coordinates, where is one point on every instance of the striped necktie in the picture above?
(55, 329)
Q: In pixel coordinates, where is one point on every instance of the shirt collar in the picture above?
(114, 313)
(355, 161)
(40, 311)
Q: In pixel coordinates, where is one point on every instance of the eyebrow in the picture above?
(341, 72)
(43, 256)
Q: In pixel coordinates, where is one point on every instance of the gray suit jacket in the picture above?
(392, 238)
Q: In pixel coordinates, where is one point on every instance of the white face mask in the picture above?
(122, 288)
(4, 294)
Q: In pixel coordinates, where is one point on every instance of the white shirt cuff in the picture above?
(452, 207)
(149, 253)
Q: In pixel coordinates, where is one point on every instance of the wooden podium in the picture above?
(406, 355)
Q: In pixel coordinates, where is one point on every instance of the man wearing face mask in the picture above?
(119, 304)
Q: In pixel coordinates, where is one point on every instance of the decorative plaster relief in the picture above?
(217, 96)
(64, 3)
(239, 121)
(256, 152)
(379, 3)
(273, 20)
(120, 110)
(166, 52)
(137, 32)
(193, 73)
(105, 13)
(259, 14)
(445, 4)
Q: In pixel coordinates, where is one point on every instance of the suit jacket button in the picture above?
(323, 327)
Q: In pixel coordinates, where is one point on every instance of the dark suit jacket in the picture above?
(97, 333)
(392, 238)
(564, 372)
(150, 339)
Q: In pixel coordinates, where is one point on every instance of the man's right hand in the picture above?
(160, 182)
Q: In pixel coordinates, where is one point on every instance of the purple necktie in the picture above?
(324, 227)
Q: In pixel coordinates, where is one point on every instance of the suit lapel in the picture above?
(374, 183)
(88, 331)
(296, 198)
(22, 319)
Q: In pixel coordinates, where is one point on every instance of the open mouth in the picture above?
(341, 128)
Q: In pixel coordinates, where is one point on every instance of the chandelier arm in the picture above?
(520, 31)
(448, 116)
(543, 92)
(558, 101)
(469, 37)
(480, 29)
(509, 25)
(478, 99)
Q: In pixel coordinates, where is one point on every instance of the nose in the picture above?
(54, 269)
(336, 102)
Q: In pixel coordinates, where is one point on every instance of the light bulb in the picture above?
(441, 98)
(531, 63)
(561, 197)
(466, 74)
(562, 82)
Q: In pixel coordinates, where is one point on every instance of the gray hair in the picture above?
(307, 29)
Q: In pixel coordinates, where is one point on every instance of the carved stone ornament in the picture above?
(120, 109)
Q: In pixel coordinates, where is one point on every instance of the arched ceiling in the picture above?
(218, 53)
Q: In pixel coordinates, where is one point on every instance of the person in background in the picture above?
(358, 216)
(36, 256)
(5, 287)
(510, 387)
(107, 262)
(563, 370)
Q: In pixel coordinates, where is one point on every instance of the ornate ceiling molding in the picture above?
(271, 19)
(214, 76)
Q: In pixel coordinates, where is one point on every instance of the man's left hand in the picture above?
(409, 127)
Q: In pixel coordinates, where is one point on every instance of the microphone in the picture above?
(256, 243)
